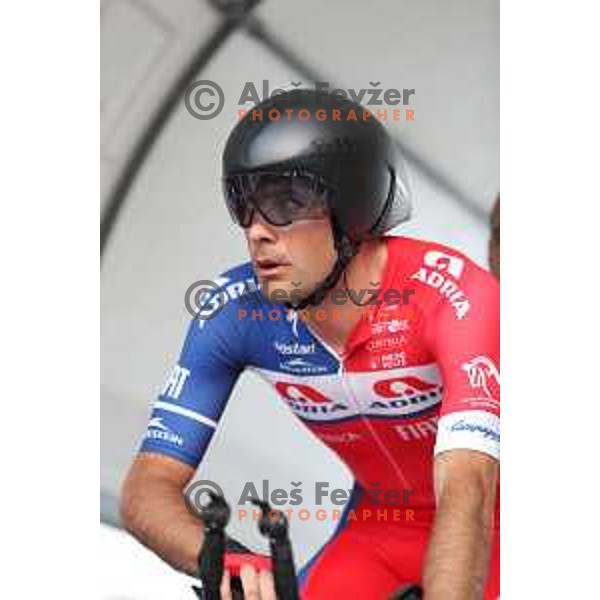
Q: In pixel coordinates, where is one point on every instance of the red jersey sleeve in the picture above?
(465, 338)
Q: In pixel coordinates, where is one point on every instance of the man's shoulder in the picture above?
(412, 254)
(442, 278)
(222, 295)
(236, 282)
(403, 245)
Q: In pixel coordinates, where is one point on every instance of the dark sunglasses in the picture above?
(280, 199)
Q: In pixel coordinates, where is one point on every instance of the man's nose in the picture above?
(259, 229)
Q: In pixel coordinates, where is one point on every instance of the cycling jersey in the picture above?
(419, 375)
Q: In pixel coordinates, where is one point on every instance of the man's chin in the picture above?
(280, 291)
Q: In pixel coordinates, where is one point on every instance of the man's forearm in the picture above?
(458, 556)
(155, 513)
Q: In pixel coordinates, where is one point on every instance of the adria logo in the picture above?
(445, 263)
(405, 395)
(402, 386)
(401, 393)
(308, 401)
(481, 372)
(441, 272)
(300, 392)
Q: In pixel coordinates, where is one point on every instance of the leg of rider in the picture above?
(370, 558)
(348, 568)
(355, 498)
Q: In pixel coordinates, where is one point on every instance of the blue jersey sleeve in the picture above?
(185, 415)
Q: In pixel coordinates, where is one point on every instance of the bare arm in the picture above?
(153, 510)
(458, 556)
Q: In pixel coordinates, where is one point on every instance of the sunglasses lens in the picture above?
(280, 199)
(239, 209)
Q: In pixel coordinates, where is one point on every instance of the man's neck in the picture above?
(333, 321)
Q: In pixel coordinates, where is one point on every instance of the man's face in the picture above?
(301, 253)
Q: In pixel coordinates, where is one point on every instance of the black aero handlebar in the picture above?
(217, 551)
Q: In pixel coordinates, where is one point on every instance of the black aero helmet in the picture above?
(306, 131)
(338, 142)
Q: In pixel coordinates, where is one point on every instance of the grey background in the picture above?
(173, 227)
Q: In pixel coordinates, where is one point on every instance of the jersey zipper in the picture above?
(346, 385)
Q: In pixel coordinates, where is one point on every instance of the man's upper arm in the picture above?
(467, 348)
(186, 413)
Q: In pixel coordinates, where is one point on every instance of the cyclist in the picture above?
(387, 348)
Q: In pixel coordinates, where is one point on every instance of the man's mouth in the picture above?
(270, 266)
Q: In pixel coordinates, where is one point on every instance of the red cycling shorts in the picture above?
(374, 554)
